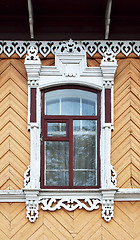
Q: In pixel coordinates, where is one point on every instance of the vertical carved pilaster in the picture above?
(108, 68)
(33, 68)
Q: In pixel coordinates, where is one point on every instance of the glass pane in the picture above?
(71, 102)
(84, 152)
(52, 107)
(59, 178)
(56, 163)
(70, 106)
(88, 108)
(56, 129)
(84, 178)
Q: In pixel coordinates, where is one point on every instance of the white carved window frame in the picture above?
(70, 68)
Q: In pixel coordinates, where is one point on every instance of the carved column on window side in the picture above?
(108, 68)
(33, 68)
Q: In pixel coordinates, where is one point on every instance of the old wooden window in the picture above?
(70, 144)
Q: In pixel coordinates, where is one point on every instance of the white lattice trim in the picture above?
(91, 47)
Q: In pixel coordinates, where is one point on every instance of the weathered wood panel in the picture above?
(78, 225)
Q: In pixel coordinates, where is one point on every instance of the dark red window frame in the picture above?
(69, 120)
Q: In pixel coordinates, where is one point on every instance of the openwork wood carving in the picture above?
(107, 209)
(113, 176)
(32, 210)
(71, 66)
(27, 177)
(70, 204)
(91, 47)
(32, 53)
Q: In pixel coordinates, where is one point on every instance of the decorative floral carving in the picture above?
(21, 48)
(136, 48)
(90, 47)
(8, 48)
(107, 209)
(126, 48)
(27, 177)
(70, 204)
(45, 48)
(32, 210)
(109, 57)
(69, 47)
(115, 47)
(32, 53)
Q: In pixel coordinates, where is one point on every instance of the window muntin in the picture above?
(70, 155)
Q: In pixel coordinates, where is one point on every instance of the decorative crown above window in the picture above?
(70, 69)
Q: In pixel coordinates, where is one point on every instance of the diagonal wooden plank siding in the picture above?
(14, 137)
(15, 154)
(77, 225)
(125, 141)
(125, 153)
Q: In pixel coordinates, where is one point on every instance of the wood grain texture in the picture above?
(14, 137)
(77, 225)
(125, 153)
(14, 153)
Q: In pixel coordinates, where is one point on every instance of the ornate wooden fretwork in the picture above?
(91, 47)
(69, 203)
(32, 210)
(27, 177)
(71, 67)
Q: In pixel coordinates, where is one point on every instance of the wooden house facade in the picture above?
(109, 210)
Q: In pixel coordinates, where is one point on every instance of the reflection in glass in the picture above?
(84, 153)
(56, 163)
(71, 102)
(56, 129)
(88, 107)
(70, 106)
(52, 107)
